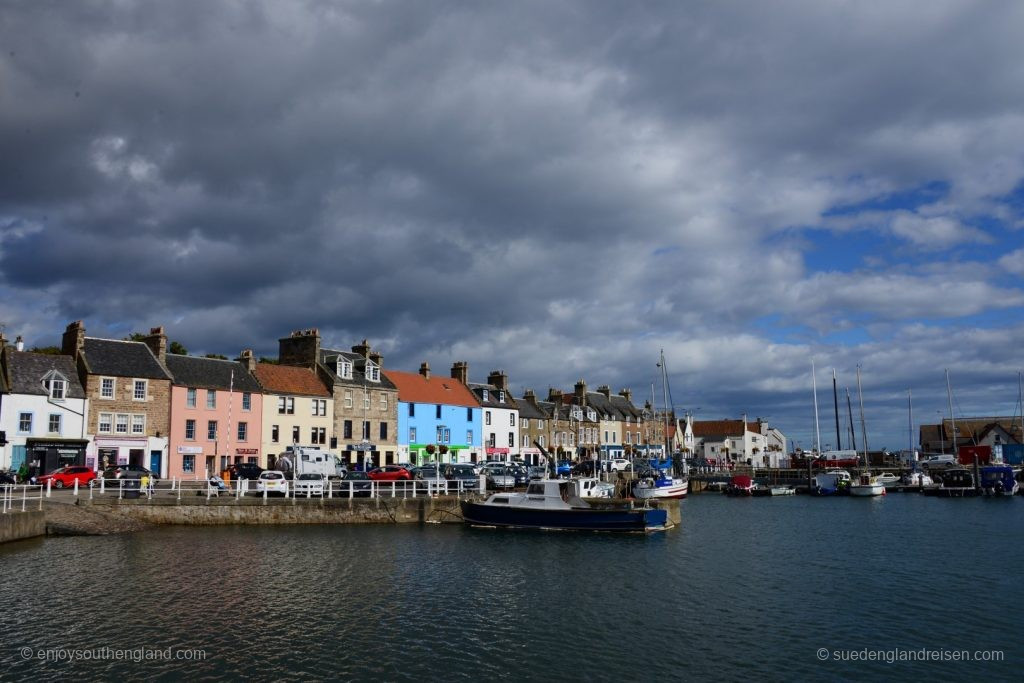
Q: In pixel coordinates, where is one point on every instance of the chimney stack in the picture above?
(460, 371)
(157, 343)
(73, 341)
(425, 370)
(555, 395)
(581, 393)
(362, 349)
(498, 379)
(377, 359)
(606, 390)
(301, 348)
(627, 394)
(247, 359)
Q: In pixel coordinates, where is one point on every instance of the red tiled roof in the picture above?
(415, 388)
(720, 428)
(285, 379)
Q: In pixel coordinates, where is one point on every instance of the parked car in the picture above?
(426, 473)
(137, 471)
(309, 484)
(465, 474)
(520, 473)
(66, 476)
(359, 483)
(563, 468)
(272, 481)
(536, 472)
(619, 464)
(390, 473)
(499, 478)
(938, 462)
(245, 470)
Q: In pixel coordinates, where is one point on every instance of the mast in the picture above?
(863, 425)
(849, 413)
(952, 418)
(664, 388)
(817, 430)
(1020, 399)
(835, 401)
(910, 421)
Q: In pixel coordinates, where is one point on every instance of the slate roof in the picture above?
(211, 373)
(285, 379)
(415, 388)
(604, 406)
(554, 411)
(527, 411)
(358, 367)
(492, 396)
(26, 370)
(122, 359)
(625, 407)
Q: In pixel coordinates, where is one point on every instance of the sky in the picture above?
(556, 190)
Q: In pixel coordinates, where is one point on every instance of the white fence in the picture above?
(16, 497)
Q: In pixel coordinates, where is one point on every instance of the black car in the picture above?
(463, 473)
(245, 470)
(359, 483)
(135, 471)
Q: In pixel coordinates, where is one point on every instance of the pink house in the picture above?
(216, 416)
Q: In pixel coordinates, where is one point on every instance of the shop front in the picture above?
(143, 451)
(46, 455)
(531, 456)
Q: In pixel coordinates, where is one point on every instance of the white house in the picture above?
(739, 442)
(43, 410)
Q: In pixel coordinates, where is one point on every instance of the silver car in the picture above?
(499, 478)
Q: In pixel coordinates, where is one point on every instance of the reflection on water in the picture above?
(744, 587)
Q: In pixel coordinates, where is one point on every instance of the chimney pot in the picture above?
(425, 370)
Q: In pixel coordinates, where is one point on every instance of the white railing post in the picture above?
(49, 483)
(330, 488)
(76, 487)
(120, 489)
(351, 489)
(264, 495)
(24, 496)
(179, 492)
(40, 500)
(103, 485)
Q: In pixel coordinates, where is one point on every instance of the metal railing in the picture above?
(10, 497)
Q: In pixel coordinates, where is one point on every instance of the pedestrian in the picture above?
(22, 473)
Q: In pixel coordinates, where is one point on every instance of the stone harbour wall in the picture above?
(15, 526)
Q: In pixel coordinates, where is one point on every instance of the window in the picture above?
(366, 430)
(190, 398)
(485, 395)
(54, 425)
(629, 437)
(318, 435)
(628, 418)
(211, 399)
(285, 405)
(487, 417)
(348, 399)
(138, 424)
(372, 372)
(243, 431)
(384, 402)
(525, 423)
(469, 437)
(501, 397)
(139, 390)
(105, 423)
(24, 423)
(56, 389)
(469, 414)
(439, 438)
(275, 433)
(190, 430)
(295, 435)
(412, 410)
(412, 435)
(211, 430)
(107, 387)
(347, 429)
(606, 435)
(188, 463)
(511, 439)
(490, 441)
(511, 419)
(121, 423)
(344, 368)
(319, 407)
(439, 411)
(540, 440)
(383, 430)
(246, 401)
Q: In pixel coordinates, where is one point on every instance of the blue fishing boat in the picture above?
(553, 504)
(998, 480)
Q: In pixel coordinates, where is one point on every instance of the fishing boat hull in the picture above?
(592, 519)
(867, 490)
(676, 488)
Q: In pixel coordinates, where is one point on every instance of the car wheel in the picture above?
(58, 484)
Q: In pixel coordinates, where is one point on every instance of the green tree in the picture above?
(218, 356)
(178, 349)
(51, 350)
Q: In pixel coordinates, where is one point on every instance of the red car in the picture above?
(390, 473)
(65, 477)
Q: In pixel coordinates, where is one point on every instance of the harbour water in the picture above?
(776, 589)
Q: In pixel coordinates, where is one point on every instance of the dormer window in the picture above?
(485, 395)
(591, 415)
(501, 397)
(372, 372)
(344, 368)
(577, 413)
(56, 385)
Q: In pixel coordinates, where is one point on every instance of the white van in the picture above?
(937, 462)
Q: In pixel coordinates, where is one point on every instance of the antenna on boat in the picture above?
(952, 418)
(835, 401)
(817, 430)
(863, 425)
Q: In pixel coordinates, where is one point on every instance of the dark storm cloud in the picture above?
(558, 189)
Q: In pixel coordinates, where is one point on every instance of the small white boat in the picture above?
(888, 479)
(916, 479)
(783, 490)
(661, 485)
(592, 487)
(867, 486)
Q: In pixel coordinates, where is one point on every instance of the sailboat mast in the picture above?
(863, 425)
(849, 413)
(664, 389)
(910, 421)
(817, 430)
(1020, 399)
(952, 418)
(835, 401)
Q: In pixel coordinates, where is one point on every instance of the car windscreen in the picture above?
(309, 477)
(272, 475)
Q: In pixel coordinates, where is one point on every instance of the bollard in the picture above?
(103, 484)
(351, 490)
(179, 493)
(76, 487)
(91, 489)
(49, 483)
(24, 497)
(330, 489)
(120, 489)
(264, 495)
(40, 500)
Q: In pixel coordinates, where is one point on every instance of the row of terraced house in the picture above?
(103, 402)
